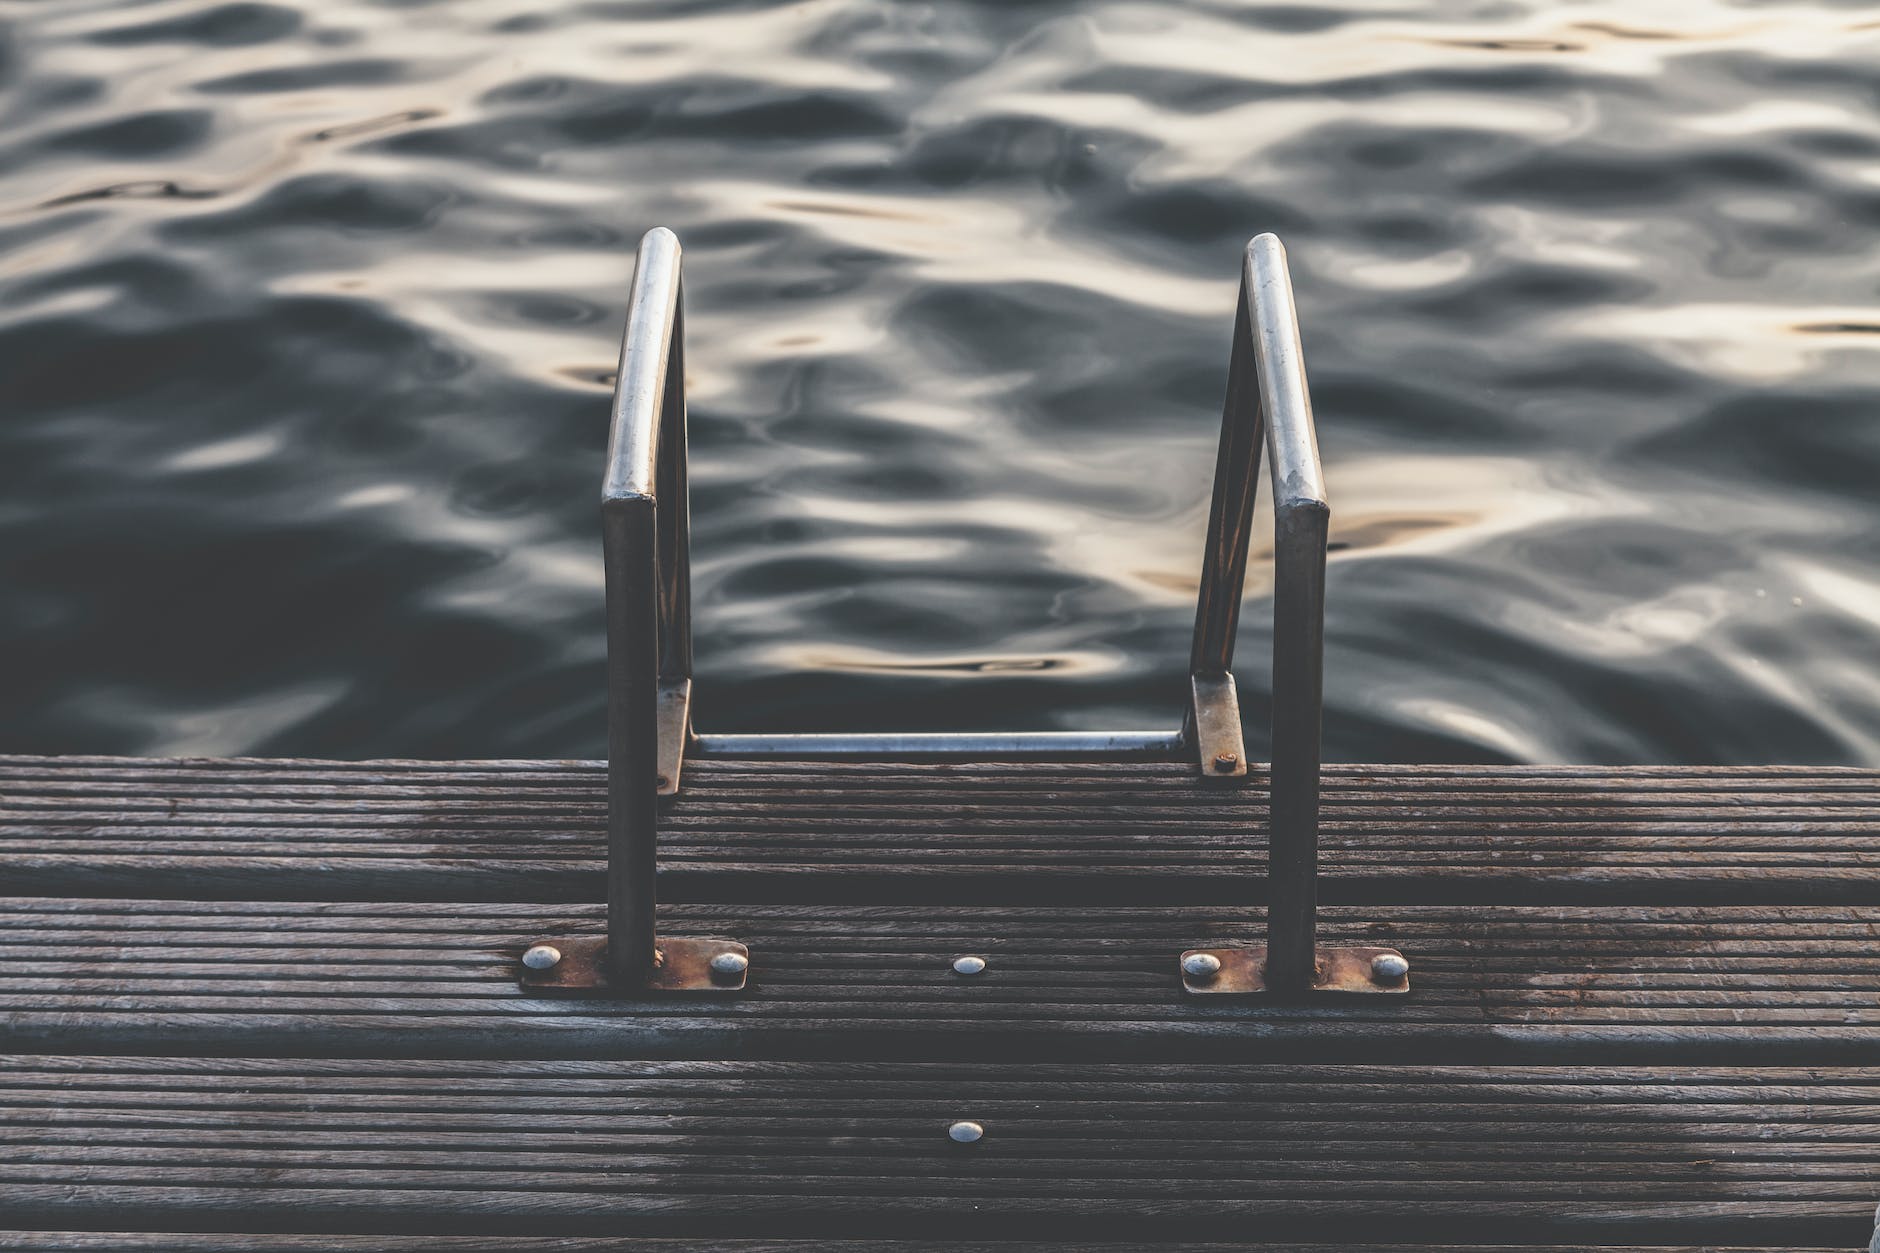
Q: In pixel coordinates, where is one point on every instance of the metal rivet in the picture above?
(1226, 762)
(542, 957)
(1389, 967)
(662, 781)
(965, 1132)
(968, 965)
(1201, 965)
(730, 962)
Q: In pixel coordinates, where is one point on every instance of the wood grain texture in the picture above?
(878, 832)
(1792, 984)
(562, 1146)
(1571, 1066)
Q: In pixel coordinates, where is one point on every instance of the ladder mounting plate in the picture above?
(685, 965)
(1340, 970)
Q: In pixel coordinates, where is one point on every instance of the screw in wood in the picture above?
(542, 957)
(968, 965)
(965, 1132)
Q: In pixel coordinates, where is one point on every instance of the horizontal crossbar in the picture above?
(1056, 744)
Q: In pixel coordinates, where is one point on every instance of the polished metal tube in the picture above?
(1301, 524)
(1230, 517)
(641, 540)
(1292, 441)
(675, 521)
(645, 368)
(1056, 744)
(1293, 825)
(627, 542)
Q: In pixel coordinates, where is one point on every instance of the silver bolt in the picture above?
(1388, 967)
(968, 965)
(1201, 965)
(730, 962)
(542, 957)
(965, 1132)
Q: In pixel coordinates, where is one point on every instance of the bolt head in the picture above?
(1226, 762)
(1201, 965)
(1389, 967)
(965, 1132)
(968, 965)
(542, 957)
(730, 962)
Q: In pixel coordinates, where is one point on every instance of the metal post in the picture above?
(649, 660)
(1301, 516)
(1293, 839)
(675, 568)
(628, 527)
(1266, 394)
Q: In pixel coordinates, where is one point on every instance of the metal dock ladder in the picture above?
(649, 662)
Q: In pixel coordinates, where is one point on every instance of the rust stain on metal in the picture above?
(1341, 971)
(1215, 712)
(685, 966)
(675, 727)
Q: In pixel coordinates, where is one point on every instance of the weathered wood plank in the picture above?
(1792, 984)
(565, 1145)
(1188, 1137)
(874, 832)
(203, 1242)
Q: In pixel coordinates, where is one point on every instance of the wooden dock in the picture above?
(281, 997)
(1022, 992)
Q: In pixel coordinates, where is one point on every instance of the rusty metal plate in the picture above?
(1217, 726)
(675, 727)
(685, 967)
(1344, 971)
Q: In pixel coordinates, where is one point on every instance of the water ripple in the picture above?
(309, 313)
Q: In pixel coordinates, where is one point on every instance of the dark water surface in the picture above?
(308, 315)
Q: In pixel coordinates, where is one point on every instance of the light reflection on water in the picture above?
(308, 316)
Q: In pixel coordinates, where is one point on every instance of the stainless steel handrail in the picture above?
(649, 647)
(646, 557)
(1268, 401)
(639, 542)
